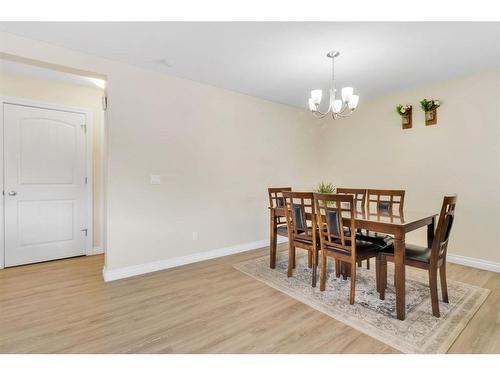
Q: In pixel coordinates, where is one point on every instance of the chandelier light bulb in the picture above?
(337, 105)
(316, 96)
(353, 102)
(347, 93)
(312, 106)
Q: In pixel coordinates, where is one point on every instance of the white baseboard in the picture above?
(474, 262)
(98, 250)
(121, 273)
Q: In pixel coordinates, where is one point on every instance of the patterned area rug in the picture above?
(421, 332)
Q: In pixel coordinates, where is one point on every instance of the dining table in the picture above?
(397, 224)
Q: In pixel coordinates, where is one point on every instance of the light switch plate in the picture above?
(155, 179)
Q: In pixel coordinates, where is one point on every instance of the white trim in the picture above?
(474, 262)
(2, 215)
(97, 250)
(102, 176)
(121, 273)
(88, 158)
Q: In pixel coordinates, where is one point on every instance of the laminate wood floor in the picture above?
(208, 307)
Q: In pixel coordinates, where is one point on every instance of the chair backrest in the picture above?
(385, 201)
(443, 229)
(276, 196)
(359, 197)
(300, 215)
(335, 218)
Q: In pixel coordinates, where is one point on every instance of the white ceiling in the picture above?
(283, 61)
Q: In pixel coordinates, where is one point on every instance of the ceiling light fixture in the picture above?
(338, 108)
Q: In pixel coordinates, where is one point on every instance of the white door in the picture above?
(45, 190)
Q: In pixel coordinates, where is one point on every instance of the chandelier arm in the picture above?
(346, 115)
(322, 113)
(320, 116)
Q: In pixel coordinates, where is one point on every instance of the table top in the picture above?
(395, 218)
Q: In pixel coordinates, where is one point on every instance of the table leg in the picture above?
(273, 240)
(399, 265)
(430, 232)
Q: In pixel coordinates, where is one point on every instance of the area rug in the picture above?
(421, 332)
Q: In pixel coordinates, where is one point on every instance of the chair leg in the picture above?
(368, 264)
(444, 287)
(377, 273)
(344, 270)
(434, 291)
(322, 277)
(383, 277)
(337, 268)
(314, 260)
(309, 259)
(294, 260)
(291, 257)
(353, 283)
(273, 242)
(359, 263)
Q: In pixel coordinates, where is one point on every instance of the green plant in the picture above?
(403, 109)
(429, 105)
(325, 188)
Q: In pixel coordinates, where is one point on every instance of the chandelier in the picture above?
(343, 107)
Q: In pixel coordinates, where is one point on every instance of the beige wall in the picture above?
(460, 154)
(216, 151)
(64, 94)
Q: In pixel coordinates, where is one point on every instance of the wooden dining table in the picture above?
(398, 224)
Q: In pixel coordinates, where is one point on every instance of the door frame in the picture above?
(88, 159)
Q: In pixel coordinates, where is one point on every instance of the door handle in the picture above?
(12, 193)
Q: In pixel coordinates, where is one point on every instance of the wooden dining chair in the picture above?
(430, 259)
(359, 205)
(302, 229)
(359, 196)
(277, 220)
(388, 203)
(336, 226)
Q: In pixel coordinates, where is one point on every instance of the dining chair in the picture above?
(337, 236)
(430, 259)
(302, 229)
(360, 206)
(388, 203)
(359, 197)
(277, 220)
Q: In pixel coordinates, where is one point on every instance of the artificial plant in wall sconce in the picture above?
(430, 108)
(405, 111)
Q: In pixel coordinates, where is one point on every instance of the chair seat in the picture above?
(383, 240)
(364, 249)
(413, 252)
(304, 241)
(283, 230)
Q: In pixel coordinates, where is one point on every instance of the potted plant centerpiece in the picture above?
(326, 188)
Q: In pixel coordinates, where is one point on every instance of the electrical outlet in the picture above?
(195, 236)
(155, 179)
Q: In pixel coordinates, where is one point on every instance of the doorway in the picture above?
(52, 202)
